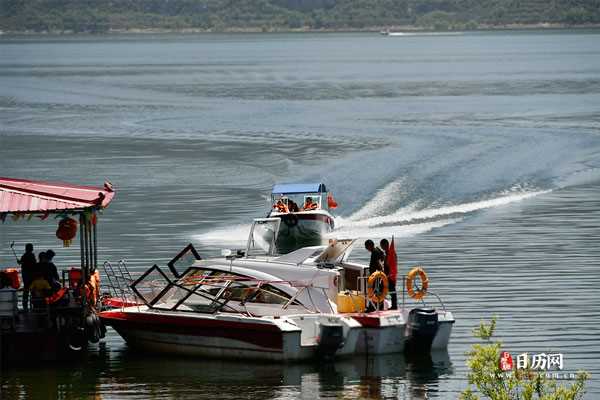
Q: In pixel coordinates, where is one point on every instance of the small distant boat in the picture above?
(305, 213)
(387, 32)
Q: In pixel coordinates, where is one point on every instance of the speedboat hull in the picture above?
(383, 332)
(211, 337)
(222, 336)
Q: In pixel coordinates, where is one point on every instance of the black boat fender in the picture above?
(77, 338)
(94, 328)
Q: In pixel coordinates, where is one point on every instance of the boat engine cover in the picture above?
(331, 338)
(422, 327)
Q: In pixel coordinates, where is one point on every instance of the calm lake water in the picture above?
(480, 153)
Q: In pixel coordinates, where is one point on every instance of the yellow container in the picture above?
(350, 301)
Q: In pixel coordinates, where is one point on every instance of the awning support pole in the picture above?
(81, 244)
(94, 249)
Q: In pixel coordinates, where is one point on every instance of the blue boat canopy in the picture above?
(291, 188)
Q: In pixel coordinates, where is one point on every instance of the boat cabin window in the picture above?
(296, 202)
(268, 294)
(311, 202)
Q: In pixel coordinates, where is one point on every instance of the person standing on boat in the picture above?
(377, 257)
(390, 268)
(375, 264)
(51, 272)
(28, 264)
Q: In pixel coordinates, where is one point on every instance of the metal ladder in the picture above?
(119, 281)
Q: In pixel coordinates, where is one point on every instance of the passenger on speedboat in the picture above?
(377, 257)
(309, 205)
(375, 264)
(293, 206)
(280, 206)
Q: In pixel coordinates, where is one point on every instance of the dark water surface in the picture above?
(479, 152)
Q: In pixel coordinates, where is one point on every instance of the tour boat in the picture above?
(257, 304)
(305, 213)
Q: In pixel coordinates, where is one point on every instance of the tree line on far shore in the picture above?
(97, 16)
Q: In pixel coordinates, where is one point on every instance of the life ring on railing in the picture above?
(377, 286)
(419, 293)
(290, 220)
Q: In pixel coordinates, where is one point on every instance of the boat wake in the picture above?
(373, 219)
(370, 220)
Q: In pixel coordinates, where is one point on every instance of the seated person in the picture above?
(280, 206)
(309, 205)
(293, 206)
(39, 289)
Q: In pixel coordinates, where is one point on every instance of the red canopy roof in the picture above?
(20, 195)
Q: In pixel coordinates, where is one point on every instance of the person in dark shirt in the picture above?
(375, 264)
(377, 257)
(28, 264)
(293, 206)
(51, 274)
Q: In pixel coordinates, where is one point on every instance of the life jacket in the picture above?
(281, 207)
(311, 206)
(56, 296)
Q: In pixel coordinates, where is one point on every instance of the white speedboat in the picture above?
(258, 304)
(305, 213)
(228, 311)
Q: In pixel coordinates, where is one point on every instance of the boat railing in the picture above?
(119, 281)
(439, 299)
(362, 288)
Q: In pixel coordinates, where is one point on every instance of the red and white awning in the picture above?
(26, 196)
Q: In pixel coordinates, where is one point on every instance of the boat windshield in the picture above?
(182, 261)
(206, 290)
(263, 236)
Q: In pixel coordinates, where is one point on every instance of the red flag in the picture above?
(331, 203)
(392, 261)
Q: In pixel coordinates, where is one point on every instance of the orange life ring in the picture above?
(56, 296)
(373, 291)
(420, 293)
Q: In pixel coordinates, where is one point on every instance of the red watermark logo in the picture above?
(506, 361)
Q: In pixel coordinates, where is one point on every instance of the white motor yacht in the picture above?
(258, 304)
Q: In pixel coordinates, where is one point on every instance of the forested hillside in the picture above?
(219, 15)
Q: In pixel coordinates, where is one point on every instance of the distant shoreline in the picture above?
(407, 28)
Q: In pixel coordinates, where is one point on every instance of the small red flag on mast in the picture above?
(331, 203)
(392, 261)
